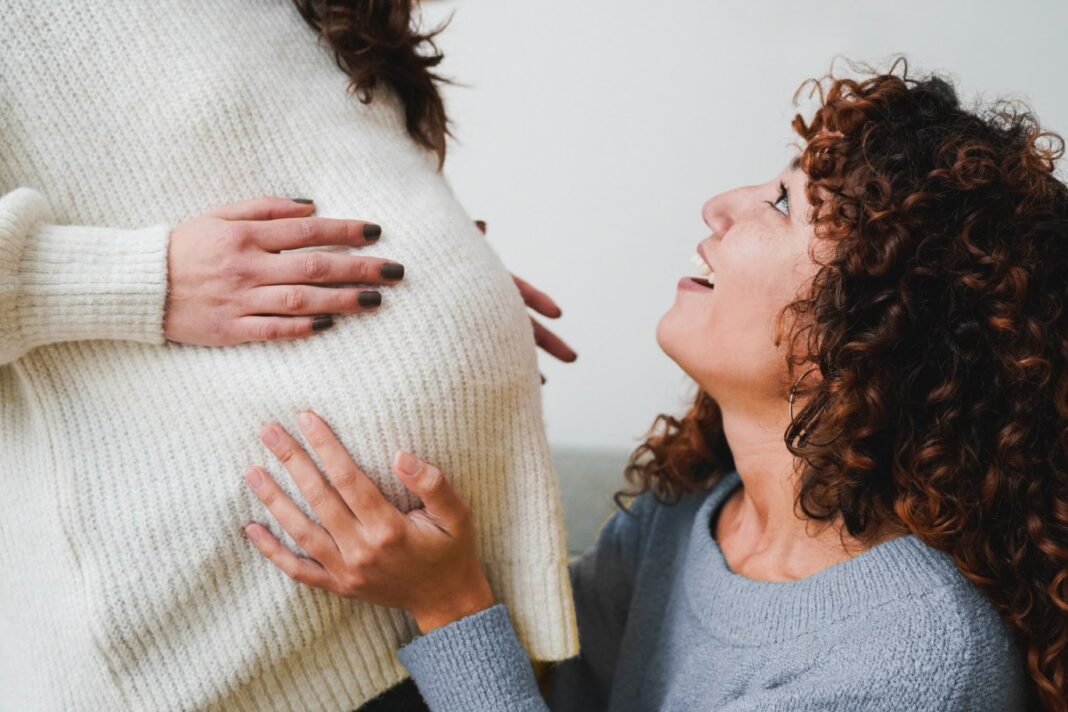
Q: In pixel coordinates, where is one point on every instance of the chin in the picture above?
(683, 336)
(673, 336)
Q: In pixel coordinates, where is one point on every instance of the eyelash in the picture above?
(783, 194)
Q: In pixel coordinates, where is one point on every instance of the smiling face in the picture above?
(724, 336)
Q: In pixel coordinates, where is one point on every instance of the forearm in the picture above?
(474, 664)
(72, 282)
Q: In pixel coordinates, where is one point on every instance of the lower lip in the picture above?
(689, 284)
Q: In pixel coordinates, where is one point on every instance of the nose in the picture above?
(723, 210)
(716, 212)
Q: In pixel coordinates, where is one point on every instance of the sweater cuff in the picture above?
(80, 282)
(473, 664)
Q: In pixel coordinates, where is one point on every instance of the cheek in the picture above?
(729, 334)
(730, 331)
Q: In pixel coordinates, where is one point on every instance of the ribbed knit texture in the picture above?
(128, 583)
(665, 624)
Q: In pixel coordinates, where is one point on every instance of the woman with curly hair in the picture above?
(145, 335)
(866, 508)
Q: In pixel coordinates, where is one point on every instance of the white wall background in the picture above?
(591, 131)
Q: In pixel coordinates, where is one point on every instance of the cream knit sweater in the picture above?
(125, 582)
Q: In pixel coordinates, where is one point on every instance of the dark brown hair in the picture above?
(375, 41)
(939, 328)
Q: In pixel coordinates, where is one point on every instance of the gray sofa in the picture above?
(588, 479)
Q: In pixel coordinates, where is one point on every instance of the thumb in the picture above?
(265, 208)
(423, 479)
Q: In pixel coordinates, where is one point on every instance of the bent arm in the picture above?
(477, 663)
(74, 282)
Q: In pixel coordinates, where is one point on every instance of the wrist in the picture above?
(451, 608)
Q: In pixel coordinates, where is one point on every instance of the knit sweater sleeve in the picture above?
(476, 664)
(75, 282)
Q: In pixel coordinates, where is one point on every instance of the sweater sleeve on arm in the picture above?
(74, 282)
(475, 664)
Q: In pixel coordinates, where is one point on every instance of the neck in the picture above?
(761, 534)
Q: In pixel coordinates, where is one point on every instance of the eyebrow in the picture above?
(796, 163)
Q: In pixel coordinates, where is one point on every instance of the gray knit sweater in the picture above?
(664, 624)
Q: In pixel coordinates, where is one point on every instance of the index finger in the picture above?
(291, 233)
(317, 492)
(361, 494)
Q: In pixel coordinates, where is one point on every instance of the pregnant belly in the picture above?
(161, 436)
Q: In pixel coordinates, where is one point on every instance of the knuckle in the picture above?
(361, 271)
(285, 454)
(386, 537)
(303, 537)
(235, 235)
(433, 480)
(298, 327)
(267, 331)
(290, 569)
(345, 478)
(362, 560)
(295, 299)
(352, 582)
(315, 266)
(316, 497)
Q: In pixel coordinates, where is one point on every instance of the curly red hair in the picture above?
(939, 327)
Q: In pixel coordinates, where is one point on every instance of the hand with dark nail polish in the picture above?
(282, 292)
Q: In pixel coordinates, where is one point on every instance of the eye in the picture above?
(784, 198)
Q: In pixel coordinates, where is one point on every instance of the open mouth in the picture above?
(708, 278)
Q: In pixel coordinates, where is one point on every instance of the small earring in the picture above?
(794, 388)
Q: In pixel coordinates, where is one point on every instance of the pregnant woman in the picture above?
(866, 509)
(140, 359)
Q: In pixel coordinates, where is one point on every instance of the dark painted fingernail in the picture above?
(392, 270)
(306, 201)
(372, 232)
(370, 298)
(323, 321)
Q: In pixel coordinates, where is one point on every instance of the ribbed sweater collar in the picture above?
(748, 611)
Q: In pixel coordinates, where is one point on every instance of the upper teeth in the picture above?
(706, 271)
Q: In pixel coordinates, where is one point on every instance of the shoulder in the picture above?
(975, 644)
(944, 648)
